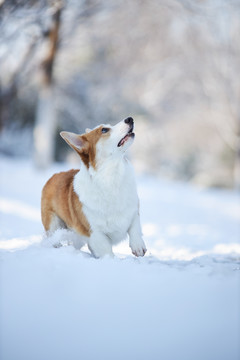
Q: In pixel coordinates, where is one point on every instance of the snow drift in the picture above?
(181, 301)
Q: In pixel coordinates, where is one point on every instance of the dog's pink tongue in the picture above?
(124, 140)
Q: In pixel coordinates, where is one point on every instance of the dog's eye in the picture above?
(105, 130)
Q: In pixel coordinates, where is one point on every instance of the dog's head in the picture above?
(101, 143)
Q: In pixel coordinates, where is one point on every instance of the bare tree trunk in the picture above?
(44, 130)
(45, 124)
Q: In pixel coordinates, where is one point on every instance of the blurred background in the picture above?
(173, 65)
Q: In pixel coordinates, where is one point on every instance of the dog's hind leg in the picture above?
(56, 223)
(52, 222)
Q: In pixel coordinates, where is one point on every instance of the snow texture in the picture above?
(181, 301)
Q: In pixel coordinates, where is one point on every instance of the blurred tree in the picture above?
(30, 35)
(171, 64)
(9, 84)
(45, 123)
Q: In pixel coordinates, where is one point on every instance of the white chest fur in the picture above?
(109, 197)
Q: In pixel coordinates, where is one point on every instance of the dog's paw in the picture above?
(139, 251)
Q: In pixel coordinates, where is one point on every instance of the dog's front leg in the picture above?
(136, 242)
(99, 245)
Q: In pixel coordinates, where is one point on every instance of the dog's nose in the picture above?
(129, 120)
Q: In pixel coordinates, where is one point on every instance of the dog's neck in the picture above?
(108, 184)
(109, 174)
(109, 168)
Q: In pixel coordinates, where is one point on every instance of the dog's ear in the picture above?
(77, 142)
(87, 130)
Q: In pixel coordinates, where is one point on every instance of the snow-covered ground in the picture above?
(181, 301)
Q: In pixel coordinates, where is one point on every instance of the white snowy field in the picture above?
(181, 301)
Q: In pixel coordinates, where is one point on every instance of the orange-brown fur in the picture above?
(58, 197)
(88, 152)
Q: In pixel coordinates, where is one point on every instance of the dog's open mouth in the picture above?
(130, 134)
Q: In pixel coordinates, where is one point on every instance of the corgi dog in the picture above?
(99, 202)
